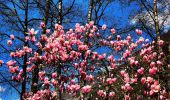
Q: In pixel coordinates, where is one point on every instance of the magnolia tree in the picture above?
(69, 65)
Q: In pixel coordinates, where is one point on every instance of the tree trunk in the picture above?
(23, 88)
(60, 17)
(89, 16)
(155, 11)
(35, 76)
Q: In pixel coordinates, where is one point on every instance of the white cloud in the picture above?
(163, 16)
(2, 89)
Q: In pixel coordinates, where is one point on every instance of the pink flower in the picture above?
(128, 87)
(110, 58)
(82, 47)
(47, 31)
(153, 70)
(155, 87)
(113, 31)
(58, 27)
(32, 32)
(161, 43)
(89, 77)
(101, 93)
(139, 32)
(11, 63)
(12, 37)
(86, 89)
(27, 38)
(42, 25)
(74, 87)
(118, 37)
(126, 54)
(46, 81)
(159, 63)
(113, 65)
(41, 74)
(1, 62)
(104, 27)
(141, 70)
(33, 39)
(54, 82)
(111, 80)
(152, 64)
(111, 94)
(101, 57)
(149, 79)
(122, 72)
(54, 75)
(88, 26)
(91, 23)
(161, 97)
(129, 38)
(9, 42)
(13, 69)
(29, 69)
(127, 97)
(12, 54)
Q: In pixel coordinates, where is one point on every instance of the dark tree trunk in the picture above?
(35, 76)
(60, 17)
(23, 88)
(89, 16)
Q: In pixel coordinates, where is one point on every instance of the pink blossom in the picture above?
(54, 82)
(153, 70)
(27, 38)
(89, 77)
(129, 38)
(139, 32)
(141, 70)
(104, 27)
(86, 89)
(74, 87)
(128, 87)
(149, 79)
(9, 42)
(111, 80)
(91, 23)
(54, 75)
(113, 31)
(110, 58)
(161, 43)
(111, 94)
(47, 31)
(152, 64)
(42, 25)
(11, 63)
(1, 62)
(122, 72)
(101, 93)
(58, 27)
(32, 32)
(29, 69)
(159, 63)
(12, 37)
(101, 57)
(155, 87)
(113, 65)
(118, 37)
(127, 97)
(46, 81)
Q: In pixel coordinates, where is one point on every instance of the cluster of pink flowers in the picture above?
(70, 64)
(9, 42)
